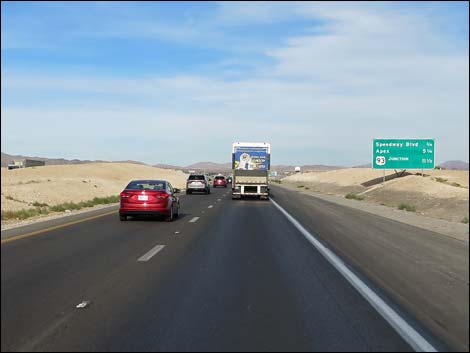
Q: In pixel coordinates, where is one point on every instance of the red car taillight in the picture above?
(162, 196)
(125, 195)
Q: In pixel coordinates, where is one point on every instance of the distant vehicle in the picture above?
(26, 163)
(149, 197)
(220, 180)
(297, 169)
(198, 182)
(229, 179)
(251, 162)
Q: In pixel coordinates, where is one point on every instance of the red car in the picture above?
(220, 180)
(149, 197)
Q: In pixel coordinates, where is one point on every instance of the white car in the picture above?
(198, 182)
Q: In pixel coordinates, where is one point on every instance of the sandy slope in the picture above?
(63, 183)
(429, 196)
(357, 176)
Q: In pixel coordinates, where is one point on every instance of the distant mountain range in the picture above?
(167, 166)
(200, 166)
(367, 165)
(210, 167)
(8, 159)
(305, 168)
(207, 167)
(461, 165)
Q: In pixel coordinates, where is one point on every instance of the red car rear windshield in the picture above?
(219, 178)
(146, 185)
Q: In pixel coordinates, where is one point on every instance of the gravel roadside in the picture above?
(455, 230)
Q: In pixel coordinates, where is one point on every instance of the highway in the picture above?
(231, 275)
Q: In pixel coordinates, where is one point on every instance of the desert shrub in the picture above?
(407, 207)
(40, 204)
(353, 196)
(44, 208)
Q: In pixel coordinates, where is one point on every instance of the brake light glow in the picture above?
(125, 195)
(162, 196)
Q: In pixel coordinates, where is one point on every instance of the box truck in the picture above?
(251, 162)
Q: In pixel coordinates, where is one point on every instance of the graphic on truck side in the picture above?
(251, 158)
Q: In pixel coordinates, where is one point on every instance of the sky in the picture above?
(179, 82)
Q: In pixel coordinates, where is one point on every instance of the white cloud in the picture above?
(370, 72)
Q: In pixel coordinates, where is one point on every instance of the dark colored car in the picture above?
(198, 182)
(229, 179)
(220, 180)
(149, 197)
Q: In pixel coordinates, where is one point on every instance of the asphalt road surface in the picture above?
(228, 275)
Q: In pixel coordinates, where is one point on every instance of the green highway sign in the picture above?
(403, 154)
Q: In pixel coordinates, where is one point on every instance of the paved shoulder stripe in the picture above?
(17, 237)
(408, 333)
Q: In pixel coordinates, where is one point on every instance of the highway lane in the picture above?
(44, 275)
(239, 277)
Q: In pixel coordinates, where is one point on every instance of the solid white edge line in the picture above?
(151, 253)
(408, 333)
(194, 220)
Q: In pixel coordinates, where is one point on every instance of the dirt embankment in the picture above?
(57, 184)
(442, 194)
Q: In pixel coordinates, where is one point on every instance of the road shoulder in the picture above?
(35, 224)
(454, 230)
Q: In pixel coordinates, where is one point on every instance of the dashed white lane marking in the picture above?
(405, 330)
(218, 200)
(147, 256)
(194, 220)
(210, 206)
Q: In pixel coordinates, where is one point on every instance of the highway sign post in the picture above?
(403, 154)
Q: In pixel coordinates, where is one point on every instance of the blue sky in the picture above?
(165, 82)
